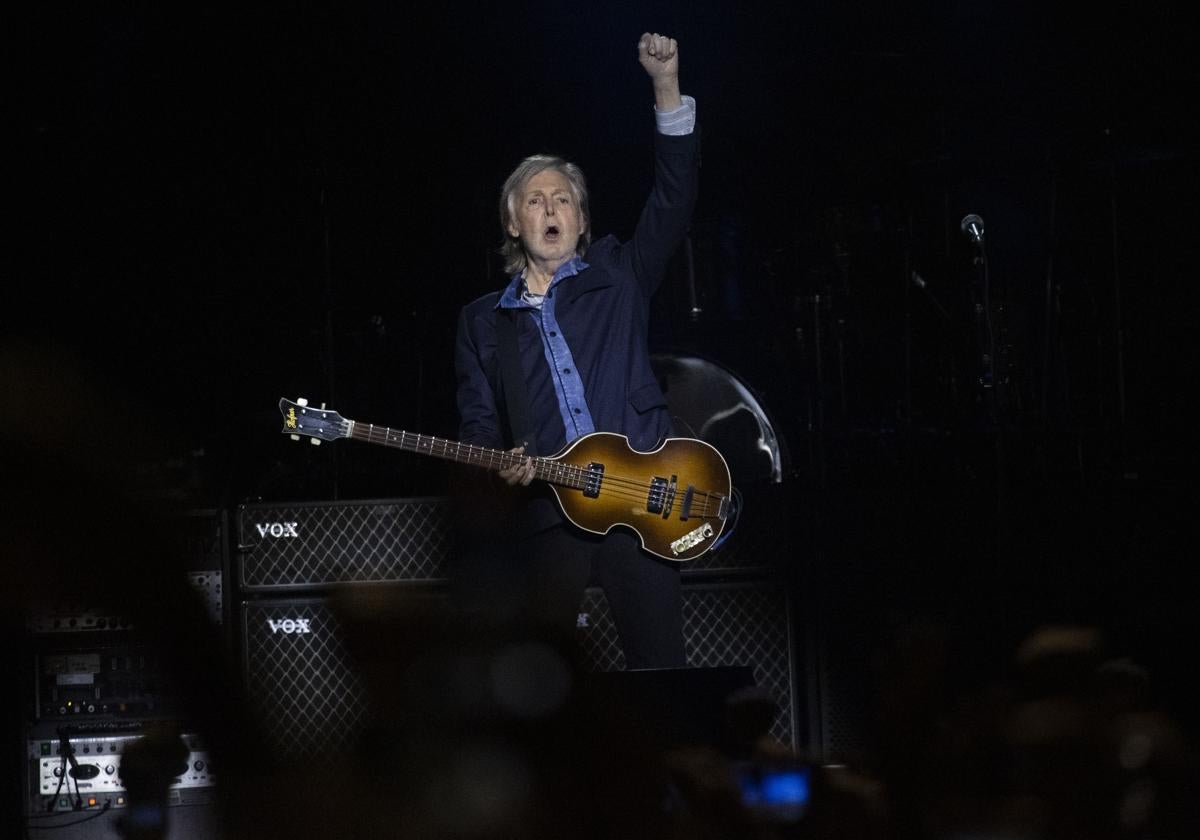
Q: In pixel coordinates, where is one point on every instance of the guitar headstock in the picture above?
(299, 418)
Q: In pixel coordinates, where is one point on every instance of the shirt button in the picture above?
(553, 334)
(566, 370)
(579, 411)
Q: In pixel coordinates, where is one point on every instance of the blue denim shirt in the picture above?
(568, 386)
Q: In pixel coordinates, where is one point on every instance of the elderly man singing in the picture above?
(560, 352)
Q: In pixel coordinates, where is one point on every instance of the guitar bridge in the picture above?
(686, 509)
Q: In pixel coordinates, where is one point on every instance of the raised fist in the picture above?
(659, 55)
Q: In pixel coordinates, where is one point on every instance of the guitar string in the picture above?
(547, 469)
(617, 486)
(497, 459)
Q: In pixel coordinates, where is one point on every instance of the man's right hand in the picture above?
(520, 473)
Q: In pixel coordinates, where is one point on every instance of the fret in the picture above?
(545, 469)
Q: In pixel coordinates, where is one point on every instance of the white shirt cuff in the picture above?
(681, 120)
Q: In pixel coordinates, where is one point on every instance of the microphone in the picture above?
(972, 226)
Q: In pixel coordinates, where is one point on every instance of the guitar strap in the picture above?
(516, 392)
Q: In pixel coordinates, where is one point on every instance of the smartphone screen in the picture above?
(779, 792)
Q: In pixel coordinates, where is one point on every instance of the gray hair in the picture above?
(512, 250)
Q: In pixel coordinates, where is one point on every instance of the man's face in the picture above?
(547, 218)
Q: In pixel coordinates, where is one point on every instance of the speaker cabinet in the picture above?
(305, 546)
(306, 691)
(301, 681)
(745, 623)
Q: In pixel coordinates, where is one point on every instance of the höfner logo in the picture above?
(289, 625)
(277, 529)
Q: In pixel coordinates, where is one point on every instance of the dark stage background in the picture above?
(225, 206)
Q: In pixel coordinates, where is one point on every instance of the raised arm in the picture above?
(659, 55)
(668, 210)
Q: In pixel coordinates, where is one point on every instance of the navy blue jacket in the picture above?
(603, 312)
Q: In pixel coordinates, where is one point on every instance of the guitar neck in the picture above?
(545, 469)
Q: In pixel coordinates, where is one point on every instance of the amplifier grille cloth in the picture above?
(304, 690)
(722, 625)
(312, 545)
(311, 701)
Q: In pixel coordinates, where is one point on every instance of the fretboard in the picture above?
(545, 469)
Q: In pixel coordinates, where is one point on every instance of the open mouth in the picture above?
(552, 232)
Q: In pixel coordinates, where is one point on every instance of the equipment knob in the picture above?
(198, 765)
(110, 769)
(58, 771)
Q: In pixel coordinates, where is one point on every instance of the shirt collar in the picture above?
(511, 296)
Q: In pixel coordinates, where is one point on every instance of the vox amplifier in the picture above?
(314, 544)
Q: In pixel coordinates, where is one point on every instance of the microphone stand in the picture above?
(987, 334)
(994, 387)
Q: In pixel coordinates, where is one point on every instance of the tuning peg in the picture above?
(302, 401)
(322, 406)
(314, 441)
(294, 437)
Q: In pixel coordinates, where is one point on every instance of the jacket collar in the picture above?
(510, 298)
